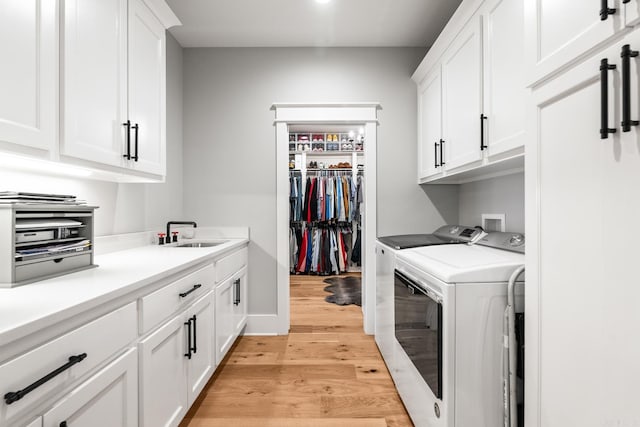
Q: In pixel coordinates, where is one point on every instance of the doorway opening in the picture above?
(326, 197)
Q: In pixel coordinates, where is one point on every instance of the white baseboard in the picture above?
(262, 324)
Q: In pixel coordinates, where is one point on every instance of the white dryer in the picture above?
(450, 302)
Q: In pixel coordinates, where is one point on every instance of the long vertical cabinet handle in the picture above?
(239, 294)
(127, 124)
(135, 141)
(195, 335)
(189, 348)
(605, 10)
(435, 155)
(626, 54)
(482, 119)
(441, 153)
(605, 130)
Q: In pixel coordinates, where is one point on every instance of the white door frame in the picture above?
(363, 114)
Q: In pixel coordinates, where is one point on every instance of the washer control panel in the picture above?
(514, 242)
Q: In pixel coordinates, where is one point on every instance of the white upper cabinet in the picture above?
(631, 12)
(94, 83)
(560, 31)
(462, 97)
(114, 95)
(503, 129)
(429, 124)
(28, 75)
(147, 89)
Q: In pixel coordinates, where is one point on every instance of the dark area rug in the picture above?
(346, 290)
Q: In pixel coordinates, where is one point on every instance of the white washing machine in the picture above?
(449, 303)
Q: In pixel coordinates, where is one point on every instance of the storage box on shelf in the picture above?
(42, 241)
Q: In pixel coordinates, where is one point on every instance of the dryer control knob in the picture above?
(516, 240)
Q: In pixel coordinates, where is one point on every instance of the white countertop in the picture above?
(29, 308)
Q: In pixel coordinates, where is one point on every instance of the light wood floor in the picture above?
(325, 373)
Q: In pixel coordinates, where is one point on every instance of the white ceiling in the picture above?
(305, 23)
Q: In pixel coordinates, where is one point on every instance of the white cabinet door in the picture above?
(385, 326)
(147, 91)
(429, 124)
(29, 74)
(94, 83)
(240, 302)
(504, 90)
(462, 97)
(163, 378)
(224, 318)
(202, 362)
(108, 399)
(632, 13)
(561, 31)
(582, 188)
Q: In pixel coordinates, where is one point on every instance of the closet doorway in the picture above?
(330, 150)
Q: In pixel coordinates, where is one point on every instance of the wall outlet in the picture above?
(493, 222)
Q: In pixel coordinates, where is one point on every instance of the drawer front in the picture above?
(52, 267)
(231, 264)
(166, 301)
(99, 339)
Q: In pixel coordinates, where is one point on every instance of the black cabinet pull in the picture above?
(441, 154)
(605, 10)
(127, 124)
(195, 335)
(184, 294)
(482, 119)
(14, 396)
(189, 348)
(135, 141)
(236, 292)
(435, 154)
(605, 130)
(626, 54)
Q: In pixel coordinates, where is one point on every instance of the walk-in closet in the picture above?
(326, 182)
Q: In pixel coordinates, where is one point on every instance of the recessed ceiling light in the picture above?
(322, 1)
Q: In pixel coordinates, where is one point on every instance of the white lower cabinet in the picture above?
(175, 363)
(224, 335)
(107, 399)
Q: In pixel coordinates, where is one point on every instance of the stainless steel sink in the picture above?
(201, 244)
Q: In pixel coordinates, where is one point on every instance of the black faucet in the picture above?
(175, 238)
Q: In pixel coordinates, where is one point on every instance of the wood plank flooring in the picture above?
(325, 373)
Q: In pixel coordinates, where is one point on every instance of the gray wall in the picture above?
(230, 139)
(503, 195)
(126, 207)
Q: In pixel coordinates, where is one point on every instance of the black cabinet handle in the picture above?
(135, 141)
(236, 292)
(239, 296)
(184, 294)
(605, 10)
(14, 396)
(195, 335)
(626, 54)
(605, 130)
(435, 154)
(127, 124)
(189, 348)
(482, 119)
(441, 155)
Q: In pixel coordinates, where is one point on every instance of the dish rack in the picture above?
(43, 241)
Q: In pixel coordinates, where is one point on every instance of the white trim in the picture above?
(291, 113)
(277, 105)
(261, 324)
